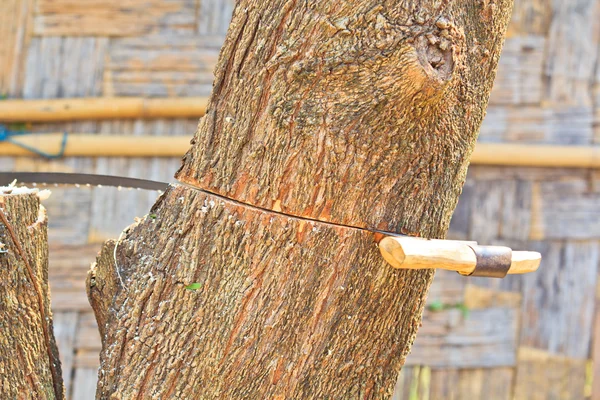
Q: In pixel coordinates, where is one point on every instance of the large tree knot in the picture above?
(439, 45)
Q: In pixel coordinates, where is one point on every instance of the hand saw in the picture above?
(400, 251)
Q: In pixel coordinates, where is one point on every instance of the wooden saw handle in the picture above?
(417, 253)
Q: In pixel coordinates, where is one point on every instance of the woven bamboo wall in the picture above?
(528, 337)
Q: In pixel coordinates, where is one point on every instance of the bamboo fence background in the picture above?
(532, 337)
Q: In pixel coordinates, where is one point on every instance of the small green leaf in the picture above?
(153, 216)
(436, 305)
(194, 286)
(463, 309)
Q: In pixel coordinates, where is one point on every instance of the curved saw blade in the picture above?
(63, 178)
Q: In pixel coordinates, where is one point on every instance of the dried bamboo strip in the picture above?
(87, 145)
(536, 155)
(100, 108)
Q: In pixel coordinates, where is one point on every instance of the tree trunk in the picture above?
(328, 119)
(29, 364)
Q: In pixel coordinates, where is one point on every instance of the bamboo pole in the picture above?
(536, 155)
(88, 145)
(100, 108)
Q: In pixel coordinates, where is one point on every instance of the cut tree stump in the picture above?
(29, 364)
(257, 276)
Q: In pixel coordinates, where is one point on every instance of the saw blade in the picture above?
(76, 179)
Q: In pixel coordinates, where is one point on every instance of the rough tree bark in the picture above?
(29, 364)
(327, 119)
